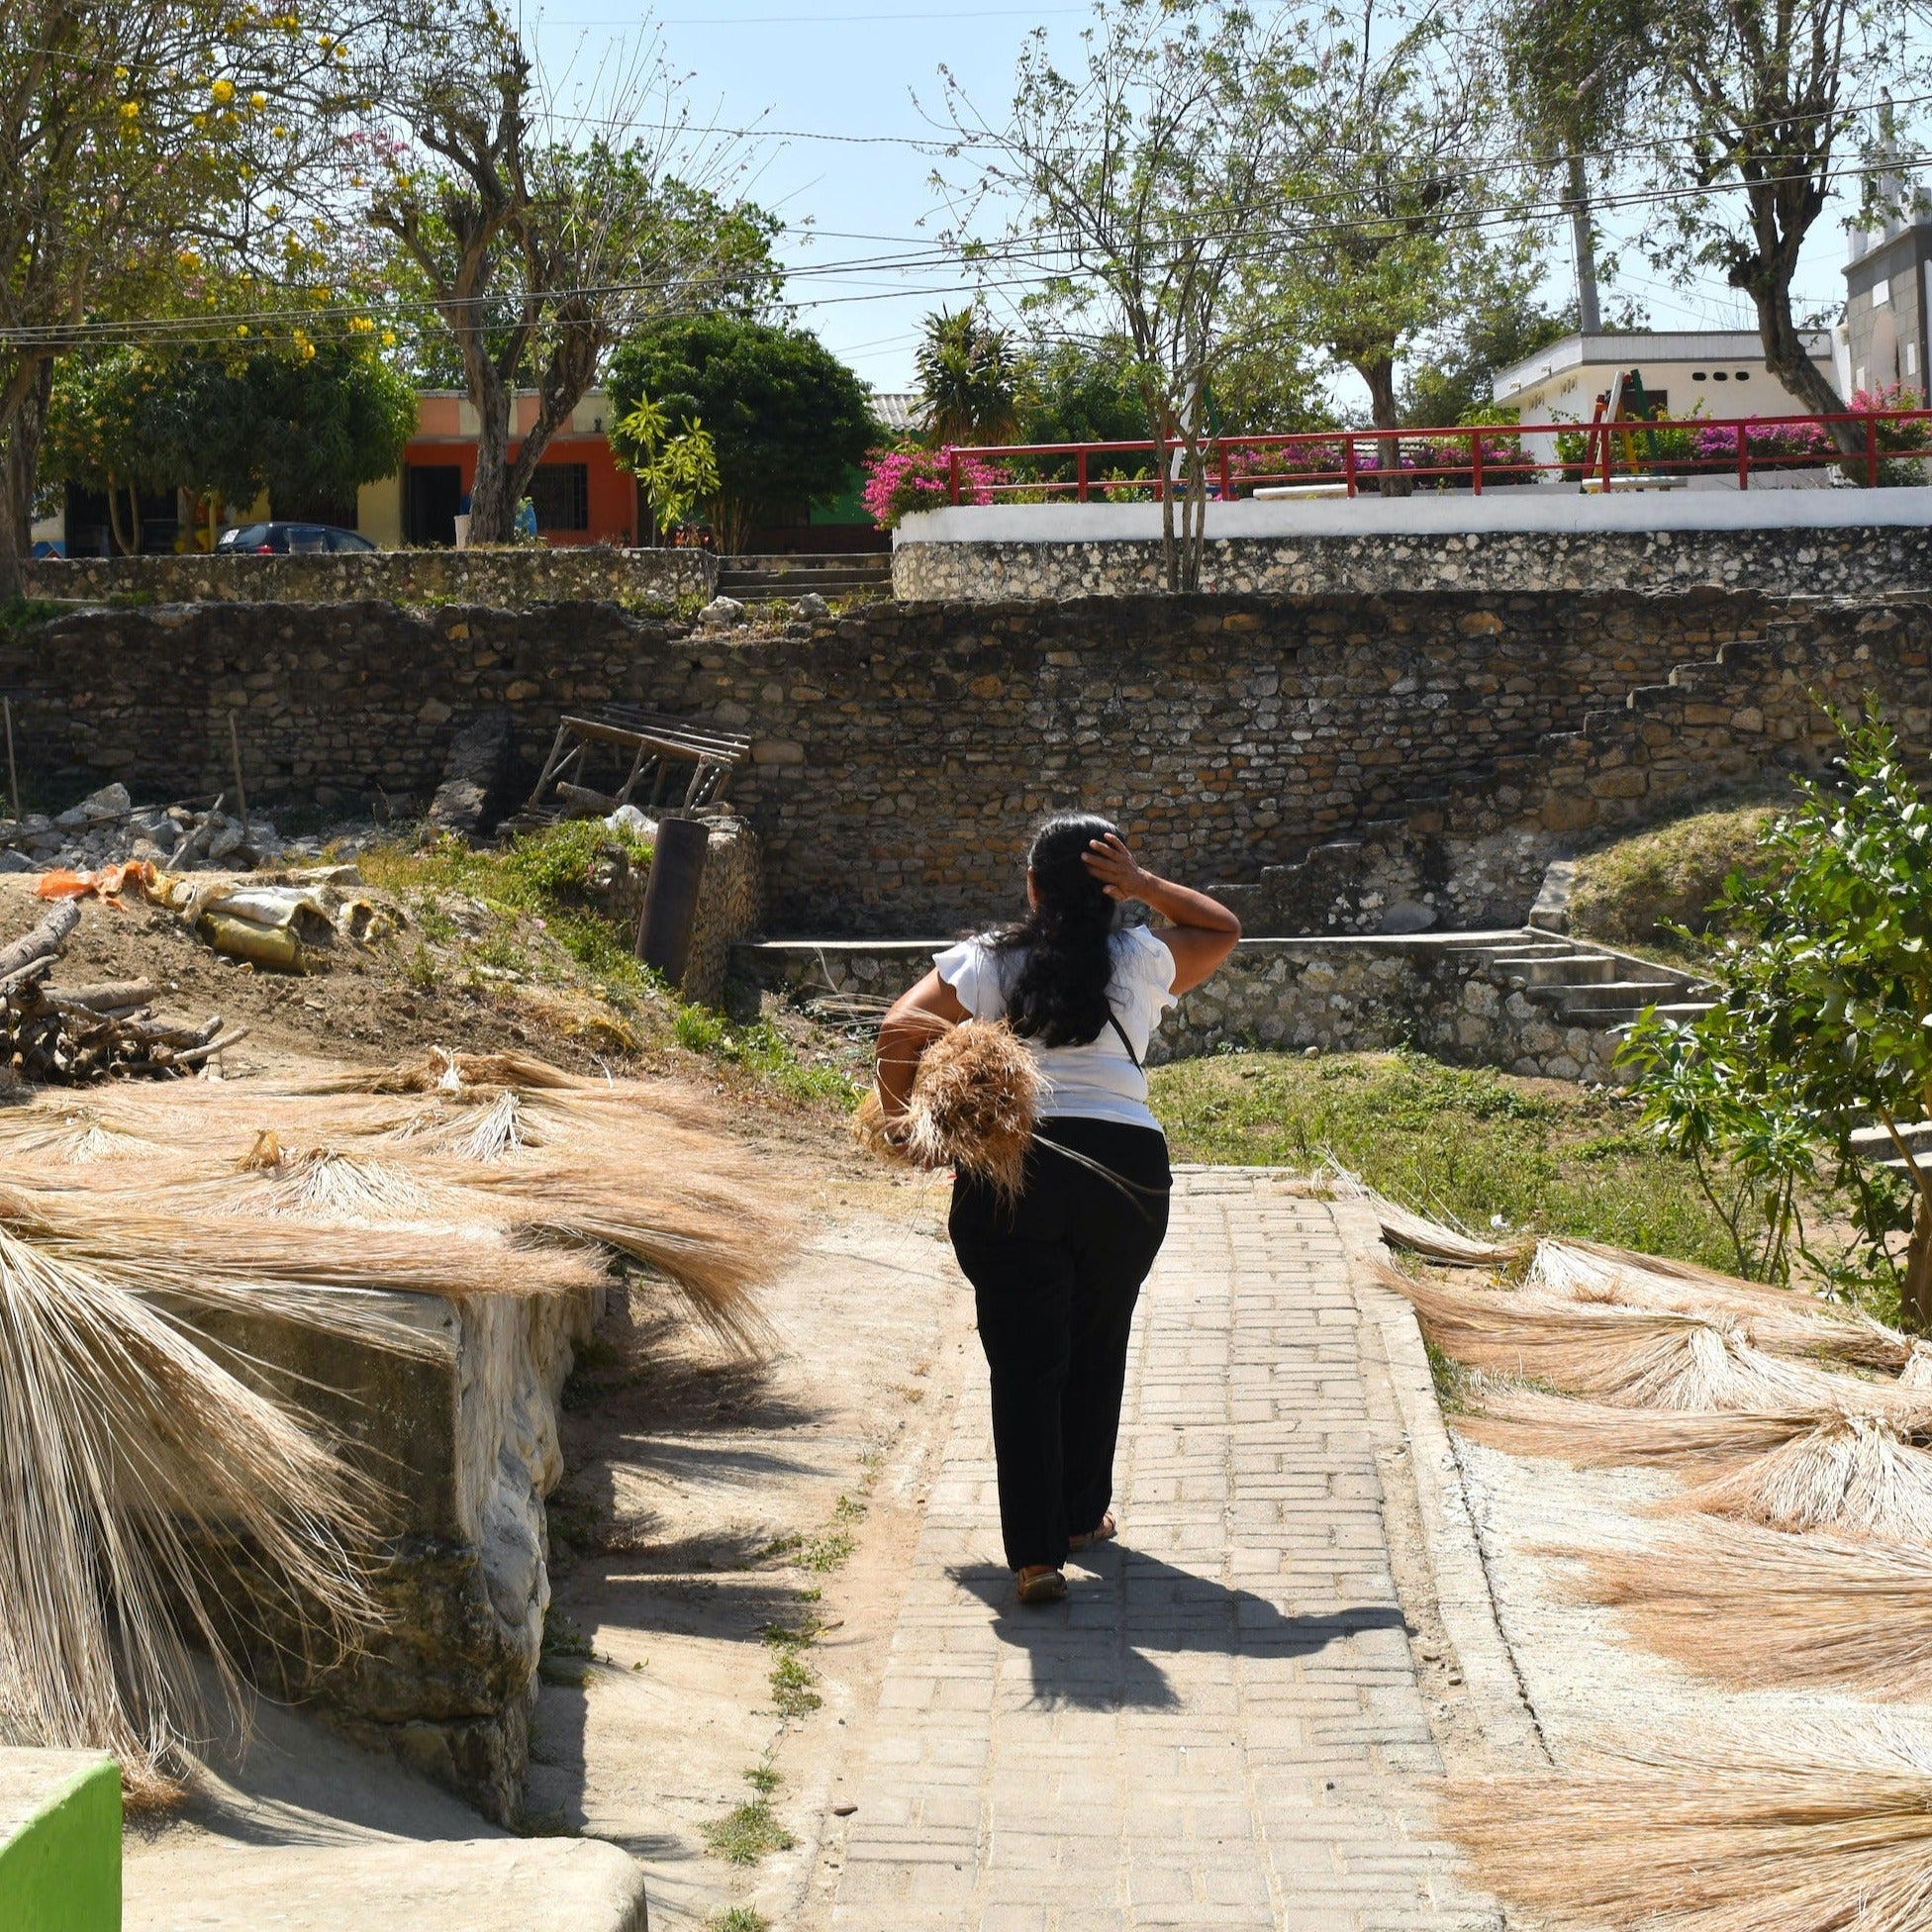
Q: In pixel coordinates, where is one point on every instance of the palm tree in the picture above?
(967, 377)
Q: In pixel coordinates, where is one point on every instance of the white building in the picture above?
(1712, 372)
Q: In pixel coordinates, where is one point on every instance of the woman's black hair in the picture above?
(1060, 995)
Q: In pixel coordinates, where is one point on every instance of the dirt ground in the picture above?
(363, 1007)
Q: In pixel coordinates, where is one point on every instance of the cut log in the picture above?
(46, 940)
(105, 996)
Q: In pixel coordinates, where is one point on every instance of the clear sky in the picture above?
(867, 74)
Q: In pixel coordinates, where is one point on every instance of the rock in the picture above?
(472, 771)
(110, 802)
(811, 605)
(722, 609)
(17, 862)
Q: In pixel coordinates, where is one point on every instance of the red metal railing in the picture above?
(1353, 463)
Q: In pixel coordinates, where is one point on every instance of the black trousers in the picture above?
(1056, 1274)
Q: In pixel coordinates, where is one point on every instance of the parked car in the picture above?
(291, 539)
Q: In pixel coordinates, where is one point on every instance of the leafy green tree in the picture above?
(677, 472)
(1382, 181)
(1744, 114)
(1135, 185)
(1822, 1026)
(1453, 373)
(787, 419)
(308, 422)
(967, 379)
(1080, 392)
(539, 256)
(133, 134)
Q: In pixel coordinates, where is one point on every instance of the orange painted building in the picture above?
(580, 494)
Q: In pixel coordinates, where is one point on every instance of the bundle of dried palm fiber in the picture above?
(1751, 1607)
(1629, 1357)
(1858, 1467)
(1779, 1321)
(1831, 1833)
(444, 1071)
(130, 1455)
(974, 1105)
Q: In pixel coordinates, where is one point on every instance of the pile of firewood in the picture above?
(75, 1035)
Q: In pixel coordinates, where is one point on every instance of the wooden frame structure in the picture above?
(657, 748)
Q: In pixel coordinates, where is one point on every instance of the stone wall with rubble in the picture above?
(1851, 562)
(1341, 763)
(462, 1447)
(1450, 999)
(508, 578)
(730, 897)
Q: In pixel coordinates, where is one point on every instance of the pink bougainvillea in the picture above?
(898, 483)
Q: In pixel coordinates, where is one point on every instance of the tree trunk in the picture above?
(1786, 359)
(492, 508)
(1915, 1296)
(1588, 320)
(1376, 368)
(21, 429)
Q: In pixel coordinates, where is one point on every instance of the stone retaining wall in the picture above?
(463, 1451)
(1783, 542)
(1439, 994)
(510, 579)
(1352, 764)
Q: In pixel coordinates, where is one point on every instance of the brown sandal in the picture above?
(1040, 1582)
(1109, 1529)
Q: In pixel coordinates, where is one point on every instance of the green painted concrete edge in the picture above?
(60, 1872)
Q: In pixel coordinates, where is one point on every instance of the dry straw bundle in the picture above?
(1627, 1357)
(1751, 1607)
(130, 1455)
(1858, 1465)
(974, 1105)
(1832, 1834)
(137, 1443)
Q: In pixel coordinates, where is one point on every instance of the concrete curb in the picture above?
(1464, 1599)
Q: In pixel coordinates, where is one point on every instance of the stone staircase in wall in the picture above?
(759, 579)
(1587, 985)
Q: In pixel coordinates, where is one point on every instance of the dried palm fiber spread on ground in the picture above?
(1633, 1358)
(1857, 1465)
(1830, 1832)
(974, 1106)
(310, 1208)
(1750, 1608)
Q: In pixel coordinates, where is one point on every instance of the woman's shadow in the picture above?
(1098, 1650)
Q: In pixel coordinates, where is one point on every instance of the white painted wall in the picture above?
(1561, 510)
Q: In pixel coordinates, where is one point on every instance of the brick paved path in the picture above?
(1222, 1727)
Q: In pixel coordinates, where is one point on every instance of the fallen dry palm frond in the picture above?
(1780, 1320)
(1403, 1227)
(440, 1070)
(130, 1456)
(974, 1106)
(1855, 1468)
(1831, 1834)
(1750, 1608)
(1626, 1357)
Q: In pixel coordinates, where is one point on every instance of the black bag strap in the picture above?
(1113, 1020)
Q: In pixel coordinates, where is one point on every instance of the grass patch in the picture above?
(749, 1832)
(761, 1049)
(545, 875)
(793, 1682)
(1632, 892)
(737, 1918)
(1466, 1145)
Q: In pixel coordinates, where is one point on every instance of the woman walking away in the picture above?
(1057, 1272)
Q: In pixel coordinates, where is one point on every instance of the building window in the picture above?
(1912, 358)
(1744, 375)
(1720, 376)
(1697, 375)
(1880, 294)
(561, 495)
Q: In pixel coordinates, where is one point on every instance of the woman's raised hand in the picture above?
(1118, 872)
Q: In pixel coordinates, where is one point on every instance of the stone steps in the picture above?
(756, 579)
